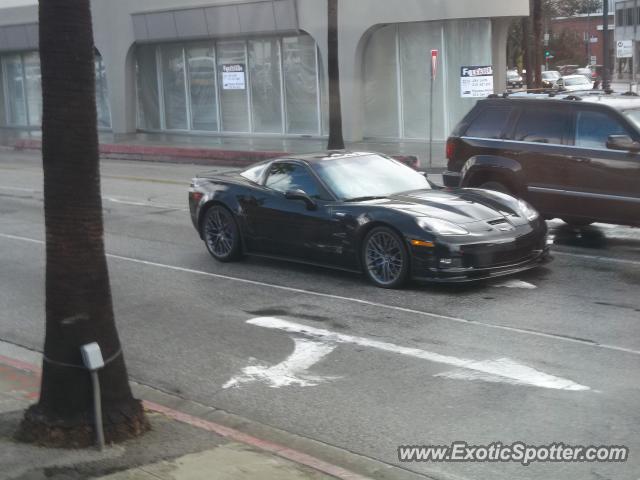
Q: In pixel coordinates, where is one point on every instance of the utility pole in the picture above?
(606, 73)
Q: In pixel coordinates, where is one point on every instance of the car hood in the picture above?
(459, 206)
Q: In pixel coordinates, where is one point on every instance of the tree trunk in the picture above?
(537, 43)
(336, 141)
(526, 51)
(78, 297)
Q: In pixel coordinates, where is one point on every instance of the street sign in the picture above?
(476, 81)
(624, 49)
(434, 64)
(594, 60)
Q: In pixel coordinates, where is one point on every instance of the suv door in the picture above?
(538, 141)
(602, 184)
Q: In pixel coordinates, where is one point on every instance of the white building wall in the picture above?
(114, 38)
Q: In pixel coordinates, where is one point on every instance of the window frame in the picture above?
(331, 197)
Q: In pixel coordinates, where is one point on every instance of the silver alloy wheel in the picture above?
(384, 257)
(219, 232)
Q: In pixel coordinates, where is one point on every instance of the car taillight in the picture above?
(451, 149)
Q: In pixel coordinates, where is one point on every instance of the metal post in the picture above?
(431, 124)
(606, 78)
(97, 409)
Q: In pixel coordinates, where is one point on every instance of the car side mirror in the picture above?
(622, 142)
(297, 194)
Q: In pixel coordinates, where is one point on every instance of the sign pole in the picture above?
(434, 72)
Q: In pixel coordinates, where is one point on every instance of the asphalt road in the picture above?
(551, 355)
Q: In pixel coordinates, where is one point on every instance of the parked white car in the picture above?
(574, 82)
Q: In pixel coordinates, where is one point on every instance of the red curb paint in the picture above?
(226, 432)
(281, 451)
(20, 365)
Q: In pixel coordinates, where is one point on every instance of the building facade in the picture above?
(627, 28)
(258, 68)
(589, 29)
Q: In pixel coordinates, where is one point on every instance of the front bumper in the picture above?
(481, 261)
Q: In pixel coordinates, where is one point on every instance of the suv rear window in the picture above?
(543, 126)
(490, 123)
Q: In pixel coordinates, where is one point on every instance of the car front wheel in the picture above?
(221, 235)
(384, 258)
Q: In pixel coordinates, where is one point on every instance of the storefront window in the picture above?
(34, 91)
(301, 86)
(262, 86)
(266, 98)
(15, 90)
(202, 88)
(232, 77)
(173, 86)
(102, 95)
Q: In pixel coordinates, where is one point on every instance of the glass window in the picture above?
(289, 176)
(148, 99)
(254, 174)
(593, 129)
(264, 72)
(14, 79)
(300, 80)
(202, 87)
(543, 126)
(490, 123)
(34, 91)
(102, 94)
(619, 17)
(368, 175)
(233, 86)
(173, 85)
(3, 111)
(381, 84)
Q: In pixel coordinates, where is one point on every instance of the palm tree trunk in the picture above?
(336, 141)
(537, 42)
(78, 297)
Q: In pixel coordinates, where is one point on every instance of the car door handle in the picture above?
(581, 159)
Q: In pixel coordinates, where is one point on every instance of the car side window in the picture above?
(593, 129)
(490, 123)
(541, 126)
(284, 176)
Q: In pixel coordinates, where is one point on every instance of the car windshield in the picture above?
(367, 176)
(634, 117)
(575, 81)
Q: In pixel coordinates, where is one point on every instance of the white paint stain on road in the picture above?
(504, 369)
(293, 371)
(515, 284)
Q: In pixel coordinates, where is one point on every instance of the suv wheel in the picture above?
(496, 187)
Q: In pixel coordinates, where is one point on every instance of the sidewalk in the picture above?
(180, 446)
(226, 151)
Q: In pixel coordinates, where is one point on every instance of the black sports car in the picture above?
(365, 212)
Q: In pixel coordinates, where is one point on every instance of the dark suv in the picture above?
(574, 157)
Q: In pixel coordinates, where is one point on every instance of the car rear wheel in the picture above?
(496, 187)
(385, 258)
(221, 235)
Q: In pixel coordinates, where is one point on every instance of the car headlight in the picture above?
(441, 227)
(527, 211)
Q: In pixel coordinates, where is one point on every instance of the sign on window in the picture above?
(476, 81)
(624, 49)
(233, 77)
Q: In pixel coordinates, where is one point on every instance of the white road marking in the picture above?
(359, 301)
(515, 284)
(598, 258)
(293, 371)
(502, 369)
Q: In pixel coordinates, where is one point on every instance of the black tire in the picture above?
(496, 187)
(578, 222)
(384, 258)
(221, 234)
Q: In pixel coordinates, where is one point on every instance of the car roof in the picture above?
(319, 157)
(618, 101)
(573, 76)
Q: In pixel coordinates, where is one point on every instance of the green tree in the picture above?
(336, 141)
(78, 297)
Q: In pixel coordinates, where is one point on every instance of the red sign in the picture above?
(434, 64)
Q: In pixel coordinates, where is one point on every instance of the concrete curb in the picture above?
(191, 155)
(276, 447)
